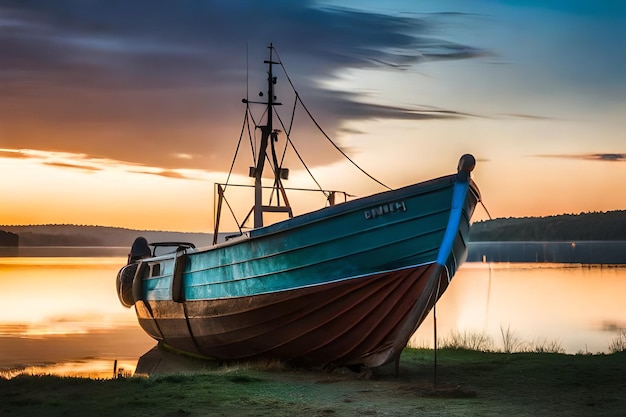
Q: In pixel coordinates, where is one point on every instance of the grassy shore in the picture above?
(468, 383)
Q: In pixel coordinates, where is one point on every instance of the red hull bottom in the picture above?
(366, 320)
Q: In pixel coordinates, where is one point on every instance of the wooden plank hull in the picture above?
(347, 284)
(364, 320)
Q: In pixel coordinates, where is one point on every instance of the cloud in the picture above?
(604, 157)
(608, 156)
(92, 163)
(528, 116)
(143, 82)
(167, 174)
(13, 154)
(73, 166)
(10, 329)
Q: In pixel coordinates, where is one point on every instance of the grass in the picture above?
(472, 378)
(618, 344)
(467, 341)
(468, 383)
(511, 343)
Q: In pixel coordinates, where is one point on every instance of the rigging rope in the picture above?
(243, 127)
(485, 207)
(248, 116)
(232, 213)
(480, 200)
(320, 127)
(247, 122)
(302, 160)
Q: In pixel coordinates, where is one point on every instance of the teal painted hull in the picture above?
(340, 242)
(208, 301)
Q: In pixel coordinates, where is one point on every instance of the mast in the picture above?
(268, 136)
(265, 134)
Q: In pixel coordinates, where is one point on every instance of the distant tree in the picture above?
(585, 226)
(8, 239)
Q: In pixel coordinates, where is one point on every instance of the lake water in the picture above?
(61, 315)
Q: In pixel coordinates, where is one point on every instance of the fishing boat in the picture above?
(346, 284)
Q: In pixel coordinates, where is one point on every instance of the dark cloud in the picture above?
(73, 166)
(528, 116)
(13, 154)
(609, 156)
(170, 174)
(606, 157)
(164, 173)
(142, 81)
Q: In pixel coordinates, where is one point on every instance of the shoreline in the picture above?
(467, 383)
(590, 252)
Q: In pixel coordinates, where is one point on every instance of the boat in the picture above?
(343, 285)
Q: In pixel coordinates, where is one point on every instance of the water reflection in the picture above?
(577, 306)
(61, 315)
(95, 350)
(94, 368)
(65, 251)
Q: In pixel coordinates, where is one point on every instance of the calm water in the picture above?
(578, 306)
(61, 315)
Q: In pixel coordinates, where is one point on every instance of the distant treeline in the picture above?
(566, 227)
(72, 235)
(582, 252)
(8, 239)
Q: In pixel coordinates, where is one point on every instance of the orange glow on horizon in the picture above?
(54, 279)
(89, 368)
(65, 310)
(51, 188)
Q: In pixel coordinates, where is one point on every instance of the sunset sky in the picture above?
(124, 113)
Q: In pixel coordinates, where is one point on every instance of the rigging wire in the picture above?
(302, 160)
(480, 200)
(288, 132)
(293, 113)
(485, 207)
(250, 124)
(232, 165)
(248, 113)
(252, 142)
(320, 127)
(232, 213)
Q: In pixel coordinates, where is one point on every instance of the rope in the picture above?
(302, 160)
(487, 211)
(298, 98)
(250, 124)
(243, 126)
(232, 213)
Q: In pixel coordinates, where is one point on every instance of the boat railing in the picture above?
(332, 197)
(170, 247)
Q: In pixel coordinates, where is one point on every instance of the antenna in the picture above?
(247, 74)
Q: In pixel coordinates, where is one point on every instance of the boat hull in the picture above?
(348, 284)
(344, 322)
